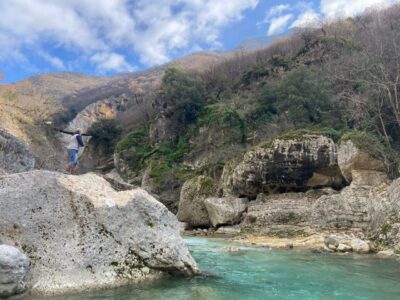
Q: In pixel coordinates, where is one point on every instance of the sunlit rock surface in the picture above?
(80, 234)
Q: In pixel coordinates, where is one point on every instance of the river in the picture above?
(260, 273)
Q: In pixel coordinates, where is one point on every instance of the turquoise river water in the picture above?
(259, 273)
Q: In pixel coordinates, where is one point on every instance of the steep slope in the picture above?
(27, 105)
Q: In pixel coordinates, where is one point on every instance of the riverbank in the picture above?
(335, 242)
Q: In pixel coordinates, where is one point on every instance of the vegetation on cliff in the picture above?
(332, 80)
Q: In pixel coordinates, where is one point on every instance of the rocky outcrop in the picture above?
(287, 165)
(353, 207)
(161, 131)
(347, 243)
(117, 182)
(225, 211)
(351, 158)
(192, 209)
(15, 155)
(281, 209)
(14, 267)
(385, 222)
(168, 189)
(81, 234)
(102, 109)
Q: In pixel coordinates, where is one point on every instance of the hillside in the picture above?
(330, 80)
(26, 105)
(194, 115)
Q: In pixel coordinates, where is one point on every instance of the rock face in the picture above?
(80, 234)
(363, 207)
(15, 155)
(192, 209)
(225, 211)
(351, 158)
(287, 165)
(103, 109)
(360, 246)
(385, 224)
(281, 209)
(14, 266)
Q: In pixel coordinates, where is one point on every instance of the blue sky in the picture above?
(104, 37)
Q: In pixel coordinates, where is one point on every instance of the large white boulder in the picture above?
(285, 164)
(80, 234)
(14, 266)
(351, 158)
(227, 210)
(192, 209)
(360, 246)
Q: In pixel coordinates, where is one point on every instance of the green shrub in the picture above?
(185, 96)
(226, 119)
(255, 74)
(105, 133)
(332, 133)
(136, 138)
(301, 98)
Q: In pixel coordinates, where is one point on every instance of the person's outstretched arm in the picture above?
(80, 141)
(66, 132)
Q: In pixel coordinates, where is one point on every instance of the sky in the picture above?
(105, 37)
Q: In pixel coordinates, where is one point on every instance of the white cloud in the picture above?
(278, 24)
(197, 20)
(111, 62)
(345, 8)
(277, 17)
(276, 10)
(99, 29)
(308, 18)
(54, 61)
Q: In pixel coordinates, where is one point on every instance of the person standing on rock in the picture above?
(73, 148)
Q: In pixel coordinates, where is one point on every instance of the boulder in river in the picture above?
(14, 267)
(192, 209)
(80, 234)
(227, 210)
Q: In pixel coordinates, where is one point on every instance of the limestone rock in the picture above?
(102, 109)
(81, 234)
(14, 266)
(281, 209)
(326, 177)
(161, 130)
(330, 240)
(386, 253)
(368, 178)
(168, 189)
(285, 165)
(226, 210)
(183, 227)
(351, 158)
(349, 208)
(228, 230)
(344, 248)
(117, 182)
(15, 155)
(226, 181)
(192, 209)
(360, 246)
